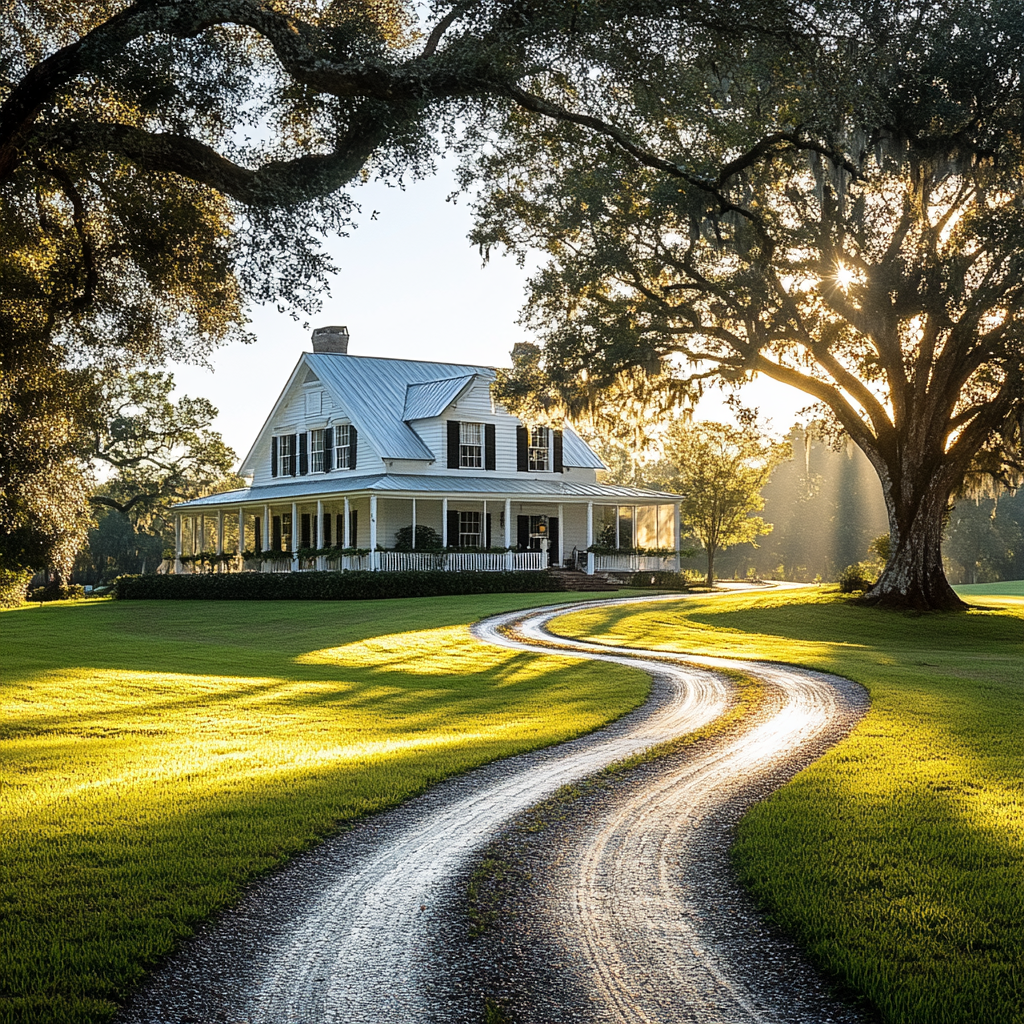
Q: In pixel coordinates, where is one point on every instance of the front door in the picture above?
(528, 539)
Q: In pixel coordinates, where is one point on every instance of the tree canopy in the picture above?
(832, 197)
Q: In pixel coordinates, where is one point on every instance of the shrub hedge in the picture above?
(53, 592)
(662, 580)
(13, 584)
(328, 586)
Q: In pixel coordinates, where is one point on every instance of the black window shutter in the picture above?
(305, 532)
(522, 450)
(352, 438)
(328, 449)
(276, 542)
(453, 444)
(295, 461)
(340, 538)
(453, 529)
(257, 539)
(490, 455)
(523, 532)
(556, 458)
(304, 453)
(553, 539)
(353, 529)
(487, 531)
(273, 456)
(325, 540)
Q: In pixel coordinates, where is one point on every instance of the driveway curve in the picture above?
(367, 926)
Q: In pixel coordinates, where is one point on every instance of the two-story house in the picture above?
(357, 448)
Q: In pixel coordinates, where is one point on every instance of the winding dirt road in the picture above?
(365, 928)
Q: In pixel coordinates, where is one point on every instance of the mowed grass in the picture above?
(1008, 588)
(898, 858)
(155, 756)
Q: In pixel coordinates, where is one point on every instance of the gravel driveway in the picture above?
(367, 927)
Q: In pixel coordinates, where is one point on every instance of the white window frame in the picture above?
(471, 530)
(316, 451)
(539, 449)
(471, 446)
(342, 447)
(285, 455)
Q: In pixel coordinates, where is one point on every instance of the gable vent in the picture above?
(331, 339)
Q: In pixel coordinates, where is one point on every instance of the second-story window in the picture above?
(471, 445)
(316, 451)
(538, 448)
(343, 447)
(286, 454)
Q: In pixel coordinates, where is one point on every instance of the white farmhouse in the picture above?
(358, 448)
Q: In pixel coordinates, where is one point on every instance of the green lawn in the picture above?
(898, 858)
(157, 755)
(1008, 588)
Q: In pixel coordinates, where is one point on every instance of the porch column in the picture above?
(267, 532)
(618, 523)
(508, 534)
(483, 528)
(295, 536)
(347, 539)
(202, 535)
(241, 532)
(444, 522)
(192, 534)
(373, 532)
(220, 531)
(675, 532)
(561, 536)
(413, 524)
(318, 542)
(177, 543)
(590, 538)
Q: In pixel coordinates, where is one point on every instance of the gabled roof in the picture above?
(382, 397)
(372, 391)
(422, 401)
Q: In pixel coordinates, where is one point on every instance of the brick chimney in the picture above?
(331, 339)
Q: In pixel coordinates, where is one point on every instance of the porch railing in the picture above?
(634, 563)
(387, 561)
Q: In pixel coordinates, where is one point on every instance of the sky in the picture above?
(410, 286)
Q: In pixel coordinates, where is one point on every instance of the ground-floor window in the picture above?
(469, 530)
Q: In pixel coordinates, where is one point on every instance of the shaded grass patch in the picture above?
(156, 756)
(897, 858)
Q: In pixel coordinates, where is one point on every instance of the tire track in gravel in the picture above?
(633, 913)
(351, 931)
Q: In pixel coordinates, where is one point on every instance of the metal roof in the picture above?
(577, 453)
(422, 401)
(372, 391)
(550, 488)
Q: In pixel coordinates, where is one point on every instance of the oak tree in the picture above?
(829, 195)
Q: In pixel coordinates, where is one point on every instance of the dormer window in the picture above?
(471, 445)
(538, 448)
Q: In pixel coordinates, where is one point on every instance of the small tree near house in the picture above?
(719, 470)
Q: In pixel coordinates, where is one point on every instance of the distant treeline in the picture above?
(827, 507)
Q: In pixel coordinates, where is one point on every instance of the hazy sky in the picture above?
(410, 286)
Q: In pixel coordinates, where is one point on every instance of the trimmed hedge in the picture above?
(328, 586)
(662, 580)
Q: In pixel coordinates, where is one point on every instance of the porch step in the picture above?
(573, 579)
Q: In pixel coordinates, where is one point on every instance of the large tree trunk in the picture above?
(913, 577)
(711, 568)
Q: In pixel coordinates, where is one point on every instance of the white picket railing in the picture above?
(391, 561)
(634, 563)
